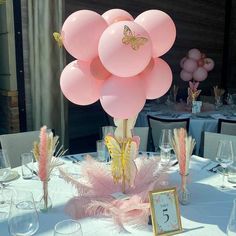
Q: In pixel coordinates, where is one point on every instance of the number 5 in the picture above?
(165, 215)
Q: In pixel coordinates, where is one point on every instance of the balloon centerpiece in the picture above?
(195, 67)
(117, 62)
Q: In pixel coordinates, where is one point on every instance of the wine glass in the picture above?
(165, 145)
(23, 217)
(225, 157)
(68, 227)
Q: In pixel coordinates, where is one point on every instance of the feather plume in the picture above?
(43, 167)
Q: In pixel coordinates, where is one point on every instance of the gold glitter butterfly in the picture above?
(130, 38)
(123, 155)
(58, 38)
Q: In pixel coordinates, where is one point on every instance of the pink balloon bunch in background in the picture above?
(117, 59)
(195, 66)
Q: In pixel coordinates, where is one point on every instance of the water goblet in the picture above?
(225, 157)
(165, 145)
(23, 217)
(68, 227)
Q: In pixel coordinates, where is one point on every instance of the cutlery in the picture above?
(214, 168)
(175, 163)
(73, 159)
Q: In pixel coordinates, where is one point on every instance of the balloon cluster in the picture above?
(195, 66)
(117, 59)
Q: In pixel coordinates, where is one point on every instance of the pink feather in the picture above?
(43, 168)
(96, 200)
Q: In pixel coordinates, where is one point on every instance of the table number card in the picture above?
(165, 212)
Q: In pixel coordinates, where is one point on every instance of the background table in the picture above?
(207, 214)
(199, 123)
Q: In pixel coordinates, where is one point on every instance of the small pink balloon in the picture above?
(78, 85)
(159, 80)
(200, 74)
(182, 61)
(194, 54)
(161, 29)
(148, 68)
(185, 76)
(125, 49)
(116, 15)
(123, 98)
(81, 32)
(98, 70)
(208, 64)
(190, 65)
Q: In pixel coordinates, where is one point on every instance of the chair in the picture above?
(156, 124)
(142, 132)
(227, 126)
(211, 141)
(18, 143)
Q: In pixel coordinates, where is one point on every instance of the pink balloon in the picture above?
(161, 29)
(98, 70)
(116, 15)
(208, 64)
(159, 80)
(186, 76)
(200, 74)
(125, 49)
(182, 61)
(81, 32)
(190, 65)
(78, 85)
(123, 98)
(194, 54)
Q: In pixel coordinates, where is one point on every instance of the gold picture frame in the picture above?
(165, 212)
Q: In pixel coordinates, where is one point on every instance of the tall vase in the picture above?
(45, 203)
(183, 193)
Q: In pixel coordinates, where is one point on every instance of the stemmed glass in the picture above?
(225, 157)
(68, 227)
(165, 145)
(23, 217)
(4, 193)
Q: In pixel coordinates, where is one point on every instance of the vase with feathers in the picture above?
(46, 155)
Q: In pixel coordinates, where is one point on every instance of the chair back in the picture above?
(227, 126)
(157, 124)
(211, 141)
(18, 143)
(142, 132)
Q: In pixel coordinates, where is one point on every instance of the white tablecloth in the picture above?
(207, 214)
(199, 123)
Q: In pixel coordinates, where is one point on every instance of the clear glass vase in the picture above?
(45, 203)
(183, 193)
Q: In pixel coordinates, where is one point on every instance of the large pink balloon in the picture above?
(159, 80)
(161, 29)
(98, 70)
(190, 65)
(81, 32)
(186, 76)
(116, 15)
(78, 85)
(200, 74)
(208, 64)
(194, 54)
(123, 98)
(125, 49)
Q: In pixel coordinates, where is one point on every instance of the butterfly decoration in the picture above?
(57, 36)
(123, 154)
(119, 132)
(193, 85)
(192, 95)
(130, 38)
